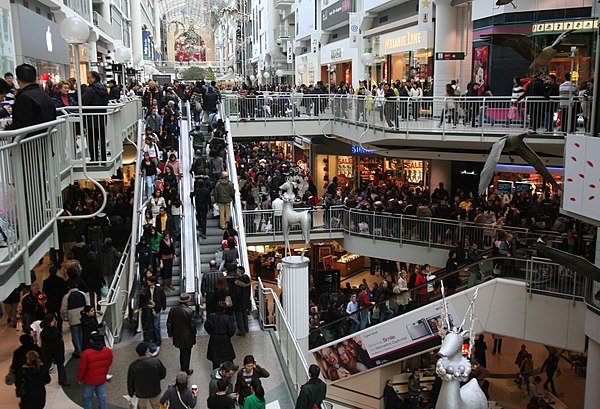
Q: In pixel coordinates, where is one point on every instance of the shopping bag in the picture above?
(215, 210)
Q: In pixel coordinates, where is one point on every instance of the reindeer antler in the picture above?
(444, 317)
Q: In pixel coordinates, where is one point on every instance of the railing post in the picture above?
(482, 112)
(429, 237)
(401, 228)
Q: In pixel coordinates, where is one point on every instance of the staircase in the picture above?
(173, 296)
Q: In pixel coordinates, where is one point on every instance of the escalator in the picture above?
(517, 298)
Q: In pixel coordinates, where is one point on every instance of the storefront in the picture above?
(510, 178)
(306, 69)
(403, 54)
(497, 65)
(337, 63)
(40, 44)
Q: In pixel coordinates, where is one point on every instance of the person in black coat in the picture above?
(93, 279)
(390, 397)
(201, 196)
(157, 295)
(55, 289)
(20, 354)
(115, 91)
(181, 326)
(53, 348)
(240, 299)
(89, 324)
(32, 105)
(221, 328)
(143, 257)
(32, 383)
(480, 348)
(95, 95)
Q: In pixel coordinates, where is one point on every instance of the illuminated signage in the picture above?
(407, 39)
(359, 150)
(564, 26)
(401, 41)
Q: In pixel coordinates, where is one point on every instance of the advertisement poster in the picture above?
(480, 64)
(425, 20)
(528, 187)
(335, 12)
(396, 339)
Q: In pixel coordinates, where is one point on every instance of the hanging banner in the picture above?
(353, 27)
(314, 43)
(425, 16)
(290, 52)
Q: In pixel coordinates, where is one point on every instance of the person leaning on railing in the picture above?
(32, 106)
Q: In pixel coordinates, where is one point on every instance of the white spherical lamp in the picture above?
(74, 30)
(301, 69)
(279, 73)
(252, 77)
(123, 54)
(367, 59)
(266, 74)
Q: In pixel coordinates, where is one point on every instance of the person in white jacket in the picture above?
(416, 94)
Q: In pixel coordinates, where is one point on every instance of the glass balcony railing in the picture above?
(480, 116)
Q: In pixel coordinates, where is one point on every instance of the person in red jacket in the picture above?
(421, 279)
(92, 371)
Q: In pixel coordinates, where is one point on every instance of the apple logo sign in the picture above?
(49, 40)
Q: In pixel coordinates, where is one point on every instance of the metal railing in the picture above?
(115, 304)
(390, 227)
(32, 161)
(403, 115)
(106, 128)
(291, 353)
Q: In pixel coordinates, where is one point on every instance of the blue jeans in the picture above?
(100, 391)
(364, 319)
(77, 338)
(157, 337)
(384, 316)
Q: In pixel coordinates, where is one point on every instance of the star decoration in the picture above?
(426, 3)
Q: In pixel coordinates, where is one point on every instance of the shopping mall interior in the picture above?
(362, 204)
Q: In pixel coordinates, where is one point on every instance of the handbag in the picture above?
(198, 106)
(228, 301)
(104, 290)
(215, 209)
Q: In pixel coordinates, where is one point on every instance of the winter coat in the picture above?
(93, 365)
(19, 358)
(92, 276)
(55, 289)
(181, 325)
(311, 394)
(144, 376)
(108, 260)
(32, 106)
(243, 388)
(34, 382)
(88, 325)
(95, 95)
(187, 397)
(72, 305)
(53, 347)
(221, 328)
(224, 191)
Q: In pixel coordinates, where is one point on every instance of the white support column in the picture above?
(135, 12)
(295, 295)
(106, 10)
(592, 376)
(445, 41)
(157, 32)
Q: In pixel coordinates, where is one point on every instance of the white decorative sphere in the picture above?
(279, 73)
(301, 69)
(457, 374)
(450, 369)
(252, 77)
(74, 30)
(447, 377)
(441, 371)
(123, 54)
(461, 368)
(266, 74)
(367, 59)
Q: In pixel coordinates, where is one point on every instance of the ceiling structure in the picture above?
(199, 12)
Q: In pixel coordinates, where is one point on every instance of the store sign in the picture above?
(337, 54)
(505, 187)
(444, 56)
(408, 39)
(359, 150)
(399, 338)
(354, 28)
(564, 26)
(40, 37)
(413, 170)
(425, 20)
(335, 13)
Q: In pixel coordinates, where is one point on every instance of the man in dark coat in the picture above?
(239, 297)
(144, 376)
(201, 196)
(55, 289)
(20, 354)
(158, 296)
(115, 91)
(209, 103)
(95, 95)
(221, 328)
(312, 392)
(181, 327)
(32, 106)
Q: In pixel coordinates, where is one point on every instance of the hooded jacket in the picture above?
(94, 364)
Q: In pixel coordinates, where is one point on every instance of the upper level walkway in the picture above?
(386, 125)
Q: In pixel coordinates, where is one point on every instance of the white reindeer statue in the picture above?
(289, 216)
(453, 368)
